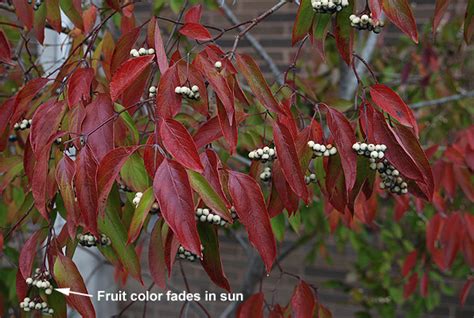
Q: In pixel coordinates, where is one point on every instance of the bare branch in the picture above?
(443, 100)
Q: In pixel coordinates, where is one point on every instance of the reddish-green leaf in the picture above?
(252, 307)
(25, 96)
(24, 12)
(469, 21)
(344, 137)
(72, 12)
(344, 33)
(465, 290)
(180, 144)
(440, 9)
(79, 86)
(210, 161)
(127, 73)
(302, 301)
(250, 206)
(303, 21)
(65, 179)
(53, 14)
(288, 157)
(46, 121)
(410, 286)
(160, 50)
(108, 170)
(250, 70)
(39, 23)
(86, 187)
(6, 112)
(98, 126)
(140, 214)
(229, 128)
(29, 251)
(195, 31)
(390, 102)
(173, 193)
(67, 275)
(282, 188)
(89, 17)
(156, 255)
(410, 262)
(400, 13)
(5, 49)
(168, 103)
(211, 257)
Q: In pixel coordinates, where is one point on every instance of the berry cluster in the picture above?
(22, 125)
(322, 150)
(27, 304)
(41, 280)
(37, 4)
(391, 179)
(266, 175)
(233, 214)
(137, 198)
(191, 93)
(142, 51)
(152, 91)
(329, 6)
(365, 22)
(205, 215)
(187, 255)
(371, 151)
(310, 179)
(89, 240)
(263, 154)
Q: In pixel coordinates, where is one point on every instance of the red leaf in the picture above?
(21, 286)
(67, 275)
(24, 12)
(465, 290)
(252, 307)
(168, 103)
(424, 284)
(156, 255)
(440, 9)
(45, 123)
(89, 17)
(160, 50)
(286, 195)
(302, 301)
(6, 111)
(65, 178)
(98, 126)
(229, 129)
(208, 132)
(344, 34)
(344, 138)
(5, 49)
(195, 31)
(288, 158)
(180, 144)
(399, 12)
(463, 178)
(122, 49)
(152, 157)
(375, 7)
(174, 195)
(250, 70)
(193, 15)
(108, 170)
(29, 251)
(127, 73)
(410, 286)
(390, 102)
(410, 262)
(250, 206)
(86, 188)
(210, 161)
(79, 86)
(25, 96)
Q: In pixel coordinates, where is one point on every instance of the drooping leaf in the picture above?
(29, 251)
(399, 13)
(211, 257)
(229, 128)
(156, 255)
(25, 96)
(39, 23)
(65, 179)
(141, 212)
(79, 86)
(252, 307)
(127, 73)
(173, 193)
(45, 123)
(344, 33)
(71, 11)
(53, 14)
(210, 160)
(302, 301)
(288, 158)
(303, 21)
(409, 263)
(195, 31)
(208, 132)
(252, 212)
(67, 275)
(168, 103)
(152, 157)
(5, 49)
(440, 9)
(180, 144)
(410, 286)
(390, 102)
(24, 12)
(160, 50)
(250, 70)
(465, 290)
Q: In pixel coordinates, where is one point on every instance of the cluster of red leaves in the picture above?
(185, 172)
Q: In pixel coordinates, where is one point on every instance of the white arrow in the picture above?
(67, 292)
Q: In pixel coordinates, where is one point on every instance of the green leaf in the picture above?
(128, 121)
(67, 6)
(278, 226)
(112, 226)
(134, 174)
(207, 194)
(304, 19)
(295, 221)
(141, 212)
